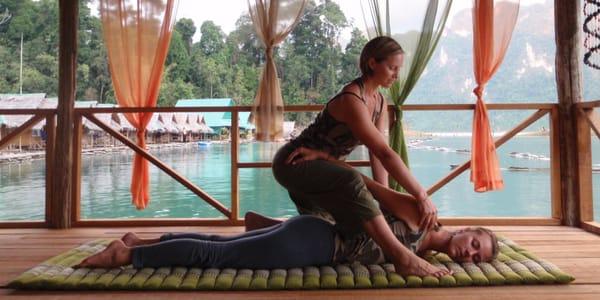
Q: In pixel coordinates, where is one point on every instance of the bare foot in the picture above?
(131, 240)
(420, 267)
(255, 221)
(115, 255)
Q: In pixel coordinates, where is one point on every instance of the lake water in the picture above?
(106, 178)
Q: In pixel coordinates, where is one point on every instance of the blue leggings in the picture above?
(300, 241)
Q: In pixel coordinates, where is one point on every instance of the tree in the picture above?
(212, 39)
(187, 29)
(349, 67)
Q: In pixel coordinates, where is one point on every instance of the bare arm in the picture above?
(354, 114)
(379, 173)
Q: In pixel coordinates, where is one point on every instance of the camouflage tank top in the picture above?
(362, 248)
(327, 134)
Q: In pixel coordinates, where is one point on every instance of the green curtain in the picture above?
(418, 47)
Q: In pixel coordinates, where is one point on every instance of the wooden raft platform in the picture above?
(571, 249)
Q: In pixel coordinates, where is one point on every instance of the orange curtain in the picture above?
(273, 21)
(137, 35)
(493, 25)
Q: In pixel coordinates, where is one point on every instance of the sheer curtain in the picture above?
(493, 24)
(273, 21)
(418, 48)
(137, 35)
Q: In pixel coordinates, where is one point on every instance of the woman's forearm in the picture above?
(379, 173)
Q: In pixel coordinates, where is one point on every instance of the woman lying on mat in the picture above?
(299, 241)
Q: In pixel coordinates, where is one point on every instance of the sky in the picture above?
(407, 14)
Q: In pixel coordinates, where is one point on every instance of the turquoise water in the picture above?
(106, 178)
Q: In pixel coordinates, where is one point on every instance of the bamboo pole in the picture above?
(568, 86)
(67, 78)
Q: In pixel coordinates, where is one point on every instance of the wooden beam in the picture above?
(235, 171)
(151, 158)
(50, 146)
(19, 130)
(499, 142)
(246, 165)
(593, 227)
(555, 170)
(67, 79)
(584, 167)
(76, 177)
(313, 108)
(593, 119)
(588, 104)
(569, 88)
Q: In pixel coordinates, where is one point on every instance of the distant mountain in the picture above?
(526, 74)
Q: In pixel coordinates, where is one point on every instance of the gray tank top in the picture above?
(362, 248)
(327, 134)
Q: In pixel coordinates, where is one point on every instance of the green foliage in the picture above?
(311, 63)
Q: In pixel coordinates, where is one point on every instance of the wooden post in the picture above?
(50, 146)
(235, 171)
(568, 86)
(76, 167)
(584, 166)
(67, 66)
(555, 168)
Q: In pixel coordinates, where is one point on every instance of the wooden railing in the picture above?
(232, 214)
(38, 115)
(588, 119)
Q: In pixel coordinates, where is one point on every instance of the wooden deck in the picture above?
(573, 250)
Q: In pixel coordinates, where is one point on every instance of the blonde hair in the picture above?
(493, 238)
(379, 48)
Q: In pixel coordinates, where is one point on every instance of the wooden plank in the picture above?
(235, 171)
(499, 142)
(577, 255)
(76, 178)
(151, 158)
(555, 170)
(584, 168)
(19, 130)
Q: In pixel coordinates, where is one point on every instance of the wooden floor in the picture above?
(573, 250)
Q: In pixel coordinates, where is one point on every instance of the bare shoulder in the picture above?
(351, 87)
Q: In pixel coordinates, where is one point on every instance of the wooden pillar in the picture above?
(67, 67)
(568, 86)
(235, 171)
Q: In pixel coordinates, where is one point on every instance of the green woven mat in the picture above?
(514, 265)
